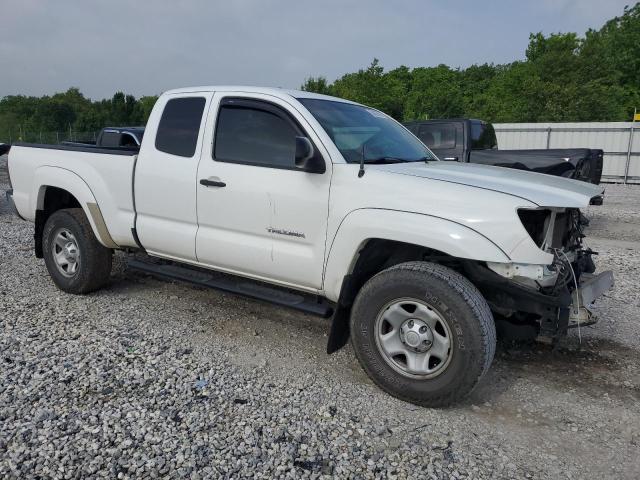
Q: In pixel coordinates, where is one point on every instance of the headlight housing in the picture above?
(554, 228)
(535, 222)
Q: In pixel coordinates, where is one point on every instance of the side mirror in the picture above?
(306, 157)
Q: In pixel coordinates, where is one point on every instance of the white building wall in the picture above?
(612, 137)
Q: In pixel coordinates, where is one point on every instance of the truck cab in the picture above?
(453, 139)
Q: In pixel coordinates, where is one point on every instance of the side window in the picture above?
(438, 135)
(483, 136)
(127, 140)
(413, 128)
(110, 138)
(247, 134)
(179, 126)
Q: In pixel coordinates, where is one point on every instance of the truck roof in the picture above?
(278, 92)
(445, 120)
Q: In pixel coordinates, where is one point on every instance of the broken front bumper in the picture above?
(590, 288)
(552, 314)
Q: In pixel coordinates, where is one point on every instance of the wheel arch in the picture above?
(56, 188)
(371, 240)
(366, 227)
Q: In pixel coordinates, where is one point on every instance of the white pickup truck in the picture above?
(331, 207)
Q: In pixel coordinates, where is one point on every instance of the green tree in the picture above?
(564, 78)
(435, 93)
(143, 109)
(316, 85)
(615, 49)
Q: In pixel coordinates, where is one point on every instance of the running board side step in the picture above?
(238, 285)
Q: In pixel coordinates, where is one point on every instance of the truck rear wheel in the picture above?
(423, 333)
(76, 261)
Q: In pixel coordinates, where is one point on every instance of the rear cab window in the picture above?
(110, 138)
(438, 135)
(180, 125)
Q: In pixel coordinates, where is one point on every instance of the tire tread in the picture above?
(95, 256)
(476, 303)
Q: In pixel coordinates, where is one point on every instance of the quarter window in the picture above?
(483, 136)
(258, 137)
(110, 139)
(179, 126)
(438, 135)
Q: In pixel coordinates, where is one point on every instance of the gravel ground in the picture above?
(154, 379)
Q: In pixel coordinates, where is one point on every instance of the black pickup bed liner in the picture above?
(82, 148)
(579, 163)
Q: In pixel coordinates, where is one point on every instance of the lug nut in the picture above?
(410, 323)
(423, 329)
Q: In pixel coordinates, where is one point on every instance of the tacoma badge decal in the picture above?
(280, 231)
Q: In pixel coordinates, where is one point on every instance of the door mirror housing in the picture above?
(307, 158)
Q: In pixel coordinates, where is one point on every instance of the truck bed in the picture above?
(105, 174)
(82, 147)
(578, 163)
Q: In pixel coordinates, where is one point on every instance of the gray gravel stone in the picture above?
(147, 379)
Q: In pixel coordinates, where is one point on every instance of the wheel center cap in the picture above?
(415, 333)
(412, 339)
(70, 251)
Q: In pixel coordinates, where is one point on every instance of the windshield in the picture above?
(356, 130)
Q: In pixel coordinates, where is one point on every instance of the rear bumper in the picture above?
(12, 205)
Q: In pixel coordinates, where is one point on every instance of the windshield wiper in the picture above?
(386, 160)
(380, 160)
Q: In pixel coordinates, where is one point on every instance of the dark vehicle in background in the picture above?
(115, 137)
(474, 141)
(125, 138)
(120, 137)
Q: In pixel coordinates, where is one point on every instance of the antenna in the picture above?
(361, 171)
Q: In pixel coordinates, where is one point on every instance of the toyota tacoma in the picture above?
(330, 207)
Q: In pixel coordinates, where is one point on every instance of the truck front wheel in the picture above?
(423, 333)
(76, 261)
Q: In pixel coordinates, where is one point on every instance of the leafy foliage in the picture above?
(27, 118)
(563, 78)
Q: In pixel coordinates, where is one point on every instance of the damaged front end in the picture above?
(544, 301)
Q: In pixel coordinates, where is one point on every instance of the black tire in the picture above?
(94, 265)
(472, 340)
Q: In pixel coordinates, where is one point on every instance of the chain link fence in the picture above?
(51, 138)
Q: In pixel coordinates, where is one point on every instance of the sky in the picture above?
(146, 47)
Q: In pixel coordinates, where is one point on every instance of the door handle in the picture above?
(455, 159)
(212, 183)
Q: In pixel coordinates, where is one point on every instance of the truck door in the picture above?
(165, 176)
(444, 139)
(259, 215)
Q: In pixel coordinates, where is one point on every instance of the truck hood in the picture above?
(543, 190)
